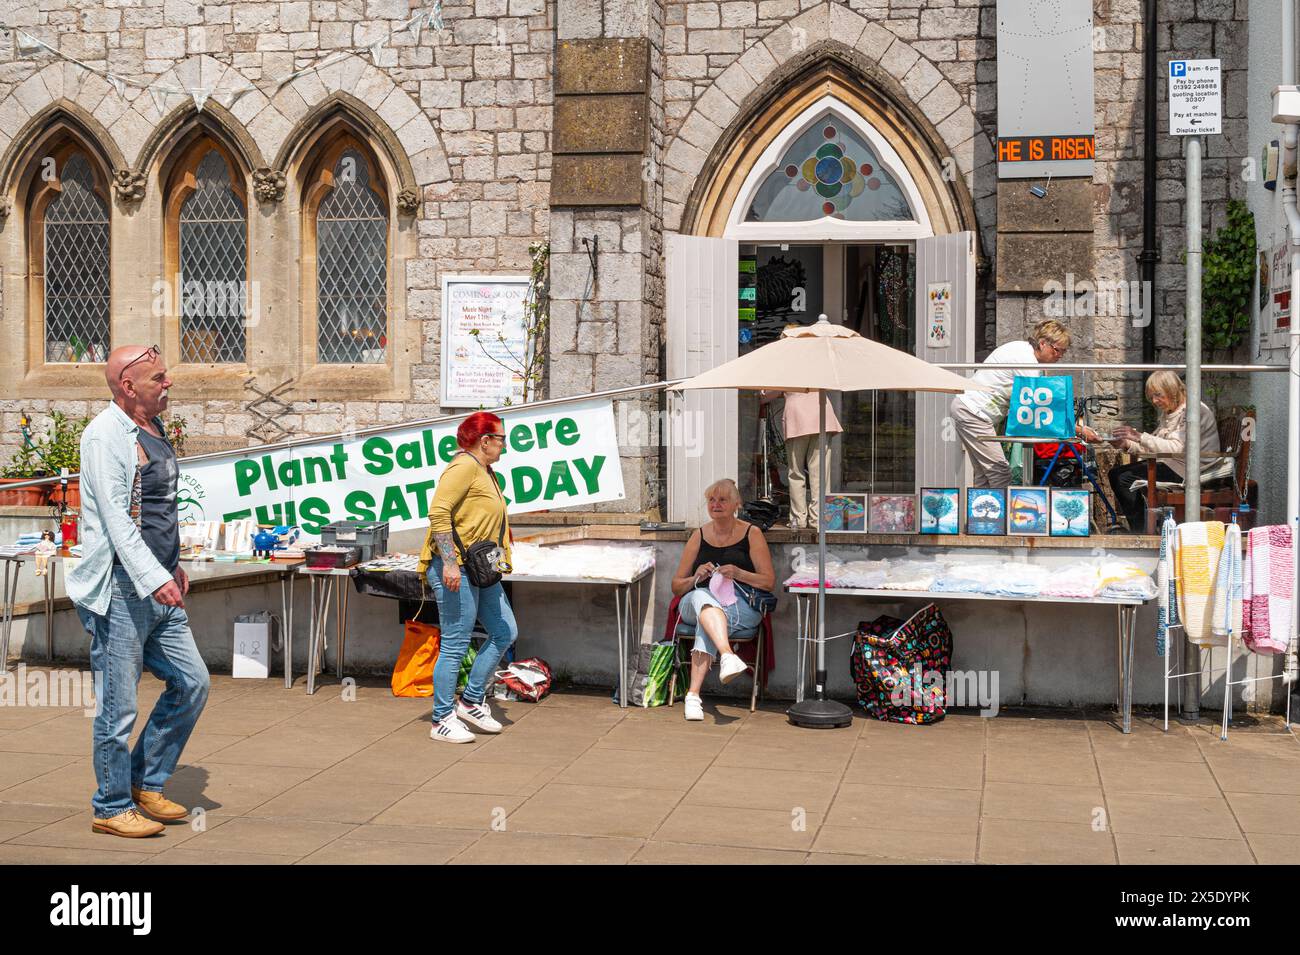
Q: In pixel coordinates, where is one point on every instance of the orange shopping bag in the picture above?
(413, 674)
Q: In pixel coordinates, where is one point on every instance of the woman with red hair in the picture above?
(468, 508)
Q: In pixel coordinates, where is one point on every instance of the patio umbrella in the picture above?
(825, 357)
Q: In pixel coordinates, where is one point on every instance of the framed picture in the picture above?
(1027, 511)
(986, 510)
(1071, 512)
(891, 513)
(940, 510)
(845, 512)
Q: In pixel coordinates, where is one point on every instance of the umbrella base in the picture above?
(820, 714)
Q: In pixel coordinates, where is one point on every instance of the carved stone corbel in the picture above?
(408, 201)
(129, 185)
(268, 184)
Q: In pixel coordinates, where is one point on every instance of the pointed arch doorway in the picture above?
(830, 204)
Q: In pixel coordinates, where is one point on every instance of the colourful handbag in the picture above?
(900, 668)
(1041, 407)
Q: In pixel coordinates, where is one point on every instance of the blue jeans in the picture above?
(139, 632)
(456, 615)
(742, 619)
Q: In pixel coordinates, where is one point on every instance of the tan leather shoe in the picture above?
(159, 807)
(129, 824)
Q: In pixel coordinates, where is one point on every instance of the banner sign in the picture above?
(561, 456)
(483, 340)
(1046, 113)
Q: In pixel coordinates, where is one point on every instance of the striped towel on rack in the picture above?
(1226, 618)
(1267, 586)
(1197, 548)
(1167, 593)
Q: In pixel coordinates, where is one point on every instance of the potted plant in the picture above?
(45, 455)
(23, 466)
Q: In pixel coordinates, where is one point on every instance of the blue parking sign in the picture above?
(1177, 67)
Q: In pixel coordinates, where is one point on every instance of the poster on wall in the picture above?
(559, 456)
(483, 340)
(938, 312)
(1278, 318)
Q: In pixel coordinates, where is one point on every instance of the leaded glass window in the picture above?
(76, 268)
(351, 267)
(213, 267)
(829, 171)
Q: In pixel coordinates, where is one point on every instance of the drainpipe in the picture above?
(1190, 710)
(1149, 256)
(1290, 134)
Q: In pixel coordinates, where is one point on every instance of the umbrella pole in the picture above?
(819, 712)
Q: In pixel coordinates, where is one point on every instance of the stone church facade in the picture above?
(602, 128)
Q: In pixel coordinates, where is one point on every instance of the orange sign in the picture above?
(1041, 148)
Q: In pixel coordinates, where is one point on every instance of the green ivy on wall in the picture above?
(1227, 281)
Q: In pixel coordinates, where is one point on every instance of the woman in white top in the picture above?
(978, 415)
(1167, 392)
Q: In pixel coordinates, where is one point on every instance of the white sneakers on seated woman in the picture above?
(453, 728)
(731, 667)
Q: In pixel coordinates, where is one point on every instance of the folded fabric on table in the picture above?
(805, 571)
(1122, 580)
(1166, 592)
(912, 575)
(862, 574)
(611, 561)
(1072, 580)
(1197, 548)
(967, 577)
(1018, 579)
(1268, 580)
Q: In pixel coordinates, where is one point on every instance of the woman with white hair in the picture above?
(1167, 392)
(726, 565)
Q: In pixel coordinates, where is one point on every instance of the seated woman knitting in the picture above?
(722, 562)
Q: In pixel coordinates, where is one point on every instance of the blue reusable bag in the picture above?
(1041, 407)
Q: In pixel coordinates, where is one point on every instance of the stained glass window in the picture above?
(214, 267)
(76, 268)
(352, 267)
(829, 170)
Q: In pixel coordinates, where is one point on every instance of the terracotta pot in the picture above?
(74, 493)
(33, 496)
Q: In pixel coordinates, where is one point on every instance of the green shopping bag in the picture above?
(650, 673)
(466, 665)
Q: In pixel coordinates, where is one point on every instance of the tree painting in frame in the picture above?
(891, 514)
(1070, 512)
(1027, 511)
(845, 512)
(940, 510)
(986, 511)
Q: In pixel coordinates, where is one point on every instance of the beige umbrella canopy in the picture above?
(826, 357)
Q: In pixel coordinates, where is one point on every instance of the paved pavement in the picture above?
(286, 778)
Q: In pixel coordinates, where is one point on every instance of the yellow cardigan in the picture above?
(482, 508)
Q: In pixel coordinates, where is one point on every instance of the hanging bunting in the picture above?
(376, 49)
(28, 45)
(119, 84)
(416, 26)
(159, 96)
(200, 98)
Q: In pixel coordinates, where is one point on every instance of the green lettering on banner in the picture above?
(430, 453)
(395, 505)
(590, 471)
(377, 453)
(268, 469)
(291, 473)
(560, 480)
(421, 490)
(527, 483)
(237, 515)
(447, 448)
(359, 506)
(521, 439)
(246, 475)
(314, 514)
(317, 470)
(275, 513)
(566, 432)
(339, 457)
(408, 455)
(543, 429)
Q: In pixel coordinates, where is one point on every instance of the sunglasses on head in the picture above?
(152, 352)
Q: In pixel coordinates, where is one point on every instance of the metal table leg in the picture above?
(620, 595)
(321, 593)
(286, 619)
(1130, 638)
(50, 569)
(344, 591)
(9, 596)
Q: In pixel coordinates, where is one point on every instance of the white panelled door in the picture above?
(701, 280)
(945, 265)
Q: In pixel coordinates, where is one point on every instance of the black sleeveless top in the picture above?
(737, 553)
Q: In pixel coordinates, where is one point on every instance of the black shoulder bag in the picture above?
(481, 561)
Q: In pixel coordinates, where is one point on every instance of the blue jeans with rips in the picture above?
(456, 615)
(139, 632)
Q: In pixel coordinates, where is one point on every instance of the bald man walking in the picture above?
(129, 591)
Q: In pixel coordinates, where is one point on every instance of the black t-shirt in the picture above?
(737, 553)
(158, 515)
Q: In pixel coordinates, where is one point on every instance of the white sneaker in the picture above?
(694, 707)
(477, 715)
(451, 730)
(731, 667)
